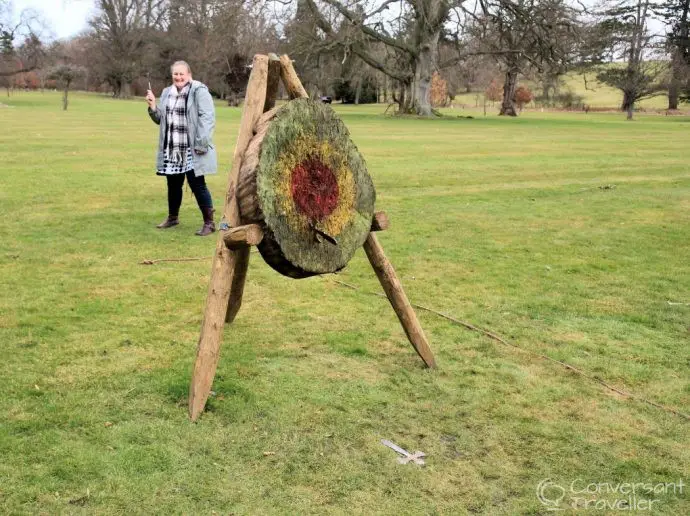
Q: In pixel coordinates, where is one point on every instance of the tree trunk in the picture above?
(628, 102)
(673, 89)
(404, 99)
(546, 93)
(508, 104)
(399, 98)
(425, 65)
(358, 91)
(64, 98)
(674, 83)
(234, 99)
(123, 89)
(409, 98)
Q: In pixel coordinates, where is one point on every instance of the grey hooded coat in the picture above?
(201, 121)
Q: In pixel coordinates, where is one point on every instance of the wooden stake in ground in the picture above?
(396, 295)
(225, 260)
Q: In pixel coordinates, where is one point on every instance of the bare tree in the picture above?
(317, 61)
(624, 34)
(411, 40)
(217, 38)
(21, 48)
(123, 29)
(518, 33)
(522, 34)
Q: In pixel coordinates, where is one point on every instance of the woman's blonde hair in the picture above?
(181, 63)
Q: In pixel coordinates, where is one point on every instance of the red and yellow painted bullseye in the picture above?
(315, 186)
(314, 189)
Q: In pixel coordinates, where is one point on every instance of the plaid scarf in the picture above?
(176, 143)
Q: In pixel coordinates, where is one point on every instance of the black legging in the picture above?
(198, 186)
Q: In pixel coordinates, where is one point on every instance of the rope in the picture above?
(497, 338)
(487, 333)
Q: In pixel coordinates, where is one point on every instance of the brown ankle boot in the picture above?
(171, 221)
(209, 226)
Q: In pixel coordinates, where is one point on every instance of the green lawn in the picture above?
(600, 95)
(568, 235)
(594, 94)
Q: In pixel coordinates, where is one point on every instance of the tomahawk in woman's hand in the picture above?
(150, 99)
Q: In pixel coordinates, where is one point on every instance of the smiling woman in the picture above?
(187, 118)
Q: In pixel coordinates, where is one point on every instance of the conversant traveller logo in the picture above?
(550, 494)
(605, 496)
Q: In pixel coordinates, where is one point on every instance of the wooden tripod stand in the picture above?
(231, 257)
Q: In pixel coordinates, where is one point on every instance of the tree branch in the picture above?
(356, 20)
(22, 70)
(356, 47)
(455, 60)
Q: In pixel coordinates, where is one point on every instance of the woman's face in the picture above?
(180, 76)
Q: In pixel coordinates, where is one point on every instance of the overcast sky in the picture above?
(68, 17)
(65, 18)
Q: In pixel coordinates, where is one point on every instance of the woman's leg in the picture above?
(198, 186)
(175, 182)
(204, 200)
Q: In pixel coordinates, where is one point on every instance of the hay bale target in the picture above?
(306, 184)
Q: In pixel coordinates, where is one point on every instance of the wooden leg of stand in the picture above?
(272, 84)
(208, 350)
(225, 260)
(238, 278)
(290, 79)
(396, 295)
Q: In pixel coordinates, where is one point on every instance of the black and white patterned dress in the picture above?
(182, 167)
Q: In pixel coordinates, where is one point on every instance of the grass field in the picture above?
(567, 235)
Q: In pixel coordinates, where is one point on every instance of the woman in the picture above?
(186, 116)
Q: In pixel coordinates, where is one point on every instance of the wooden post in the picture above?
(292, 83)
(273, 82)
(239, 277)
(396, 295)
(242, 264)
(243, 236)
(224, 260)
(380, 222)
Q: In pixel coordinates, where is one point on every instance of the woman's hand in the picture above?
(151, 99)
